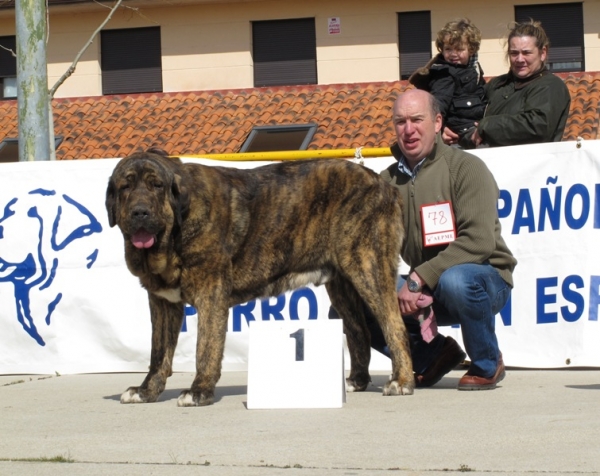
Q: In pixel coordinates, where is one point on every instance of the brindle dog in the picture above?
(214, 237)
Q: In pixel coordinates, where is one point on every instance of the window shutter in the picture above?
(414, 41)
(284, 52)
(8, 62)
(563, 23)
(131, 61)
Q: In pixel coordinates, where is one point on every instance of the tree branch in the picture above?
(71, 69)
(9, 50)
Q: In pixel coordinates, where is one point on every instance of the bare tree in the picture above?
(73, 66)
(32, 80)
(69, 72)
(34, 99)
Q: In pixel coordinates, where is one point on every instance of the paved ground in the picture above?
(536, 422)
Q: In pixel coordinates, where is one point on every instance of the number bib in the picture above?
(438, 224)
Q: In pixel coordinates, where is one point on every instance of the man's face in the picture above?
(415, 125)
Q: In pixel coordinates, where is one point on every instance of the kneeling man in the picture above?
(467, 267)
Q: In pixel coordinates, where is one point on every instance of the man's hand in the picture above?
(407, 299)
(449, 137)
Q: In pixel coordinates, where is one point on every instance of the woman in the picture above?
(528, 104)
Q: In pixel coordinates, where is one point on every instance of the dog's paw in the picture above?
(350, 386)
(393, 387)
(187, 398)
(353, 385)
(132, 395)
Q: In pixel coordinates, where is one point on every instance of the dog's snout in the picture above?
(140, 212)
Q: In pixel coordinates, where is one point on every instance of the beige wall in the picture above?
(591, 32)
(208, 45)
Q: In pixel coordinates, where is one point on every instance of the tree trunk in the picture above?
(32, 80)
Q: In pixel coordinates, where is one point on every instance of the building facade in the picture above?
(196, 45)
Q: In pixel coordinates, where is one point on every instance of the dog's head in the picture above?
(147, 197)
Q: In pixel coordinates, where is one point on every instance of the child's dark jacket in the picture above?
(458, 88)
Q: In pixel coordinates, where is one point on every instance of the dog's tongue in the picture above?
(142, 239)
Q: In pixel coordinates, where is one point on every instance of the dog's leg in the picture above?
(379, 294)
(167, 319)
(402, 380)
(349, 306)
(213, 313)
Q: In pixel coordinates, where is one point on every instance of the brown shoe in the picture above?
(450, 356)
(473, 382)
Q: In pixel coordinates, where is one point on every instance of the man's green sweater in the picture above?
(451, 174)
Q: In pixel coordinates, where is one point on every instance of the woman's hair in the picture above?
(528, 28)
(458, 31)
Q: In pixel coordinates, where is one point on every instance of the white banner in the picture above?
(68, 304)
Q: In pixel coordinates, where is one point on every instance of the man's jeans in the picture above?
(470, 295)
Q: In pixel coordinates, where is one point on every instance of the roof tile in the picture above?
(204, 122)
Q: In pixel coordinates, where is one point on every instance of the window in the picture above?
(131, 61)
(9, 148)
(563, 23)
(8, 67)
(274, 138)
(284, 52)
(414, 41)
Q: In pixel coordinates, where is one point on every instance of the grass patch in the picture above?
(15, 382)
(43, 459)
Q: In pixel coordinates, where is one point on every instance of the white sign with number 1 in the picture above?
(296, 364)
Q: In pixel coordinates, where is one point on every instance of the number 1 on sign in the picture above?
(299, 336)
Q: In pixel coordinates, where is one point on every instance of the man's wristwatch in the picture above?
(413, 286)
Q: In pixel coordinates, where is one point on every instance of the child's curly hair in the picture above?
(458, 31)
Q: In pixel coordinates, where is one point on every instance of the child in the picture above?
(455, 78)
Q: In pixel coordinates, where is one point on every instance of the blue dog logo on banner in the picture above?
(34, 233)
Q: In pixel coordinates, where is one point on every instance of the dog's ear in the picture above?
(111, 203)
(180, 197)
(157, 151)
